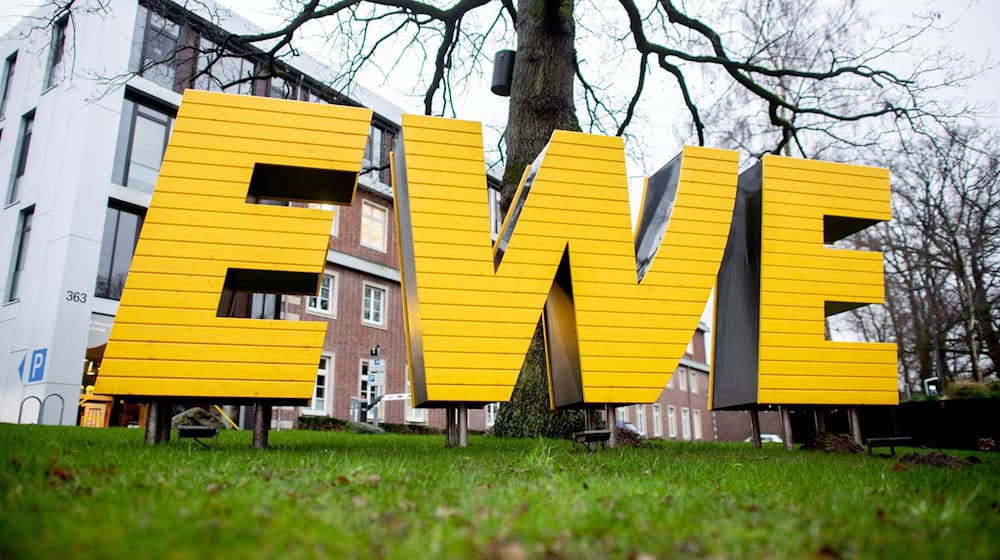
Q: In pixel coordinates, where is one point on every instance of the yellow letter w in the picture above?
(619, 309)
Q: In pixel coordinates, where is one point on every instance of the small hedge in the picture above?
(973, 390)
(321, 423)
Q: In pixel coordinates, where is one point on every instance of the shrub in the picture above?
(968, 390)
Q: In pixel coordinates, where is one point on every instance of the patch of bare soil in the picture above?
(936, 459)
(833, 443)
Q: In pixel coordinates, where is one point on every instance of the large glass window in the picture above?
(142, 139)
(368, 391)
(672, 421)
(419, 415)
(121, 232)
(321, 391)
(157, 60)
(23, 146)
(228, 72)
(20, 251)
(8, 80)
(373, 306)
(373, 226)
(697, 424)
(640, 418)
(326, 301)
(685, 422)
(57, 53)
(693, 380)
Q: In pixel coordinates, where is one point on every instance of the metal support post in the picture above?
(449, 426)
(152, 422)
(755, 427)
(855, 421)
(609, 414)
(261, 423)
(158, 422)
(786, 426)
(819, 417)
(463, 425)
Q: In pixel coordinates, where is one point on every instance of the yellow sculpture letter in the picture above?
(617, 320)
(773, 349)
(205, 239)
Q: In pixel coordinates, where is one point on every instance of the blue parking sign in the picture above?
(37, 367)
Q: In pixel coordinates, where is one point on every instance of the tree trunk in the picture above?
(541, 94)
(541, 101)
(984, 317)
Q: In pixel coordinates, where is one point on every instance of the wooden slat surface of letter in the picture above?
(474, 323)
(167, 339)
(797, 365)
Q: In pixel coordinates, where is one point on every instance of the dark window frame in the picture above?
(8, 80)
(133, 106)
(110, 291)
(20, 163)
(25, 223)
(57, 50)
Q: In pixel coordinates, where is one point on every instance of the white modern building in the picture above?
(87, 107)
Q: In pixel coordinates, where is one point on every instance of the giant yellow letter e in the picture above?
(205, 239)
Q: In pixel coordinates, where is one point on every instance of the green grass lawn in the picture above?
(101, 493)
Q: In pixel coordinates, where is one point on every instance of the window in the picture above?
(281, 88)
(697, 424)
(326, 301)
(417, 415)
(334, 229)
(373, 222)
(57, 54)
(693, 380)
(20, 250)
(657, 425)
(682, 379)
(142, 139)
(156, 60)
(496, 216)
(368, 391)
(121, 232)
(685, 422)
(373, 306)
(21, 163)
(263, 306)
(491, 414)
(226, 72)
(672, 421)
(622, 413)
(8, 80)
(640, 418)
(322, 389)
